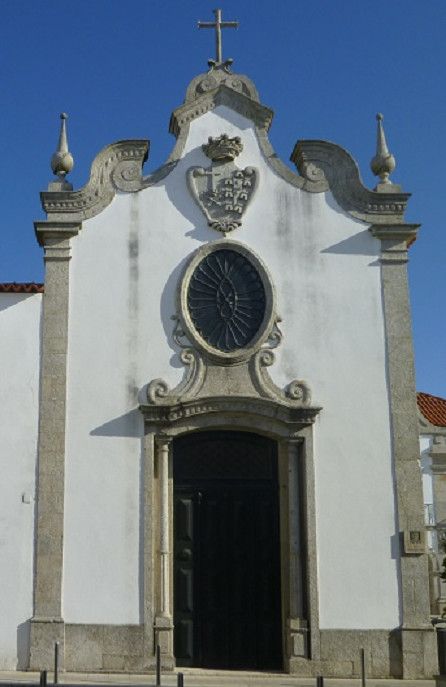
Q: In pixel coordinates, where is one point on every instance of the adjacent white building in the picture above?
(432, 419)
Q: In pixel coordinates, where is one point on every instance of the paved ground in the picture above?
(203, 679)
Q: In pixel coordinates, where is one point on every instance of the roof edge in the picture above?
(21, 287)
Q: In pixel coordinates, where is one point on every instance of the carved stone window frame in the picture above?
(240, 354)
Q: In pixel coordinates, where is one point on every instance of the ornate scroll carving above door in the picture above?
(228, 327)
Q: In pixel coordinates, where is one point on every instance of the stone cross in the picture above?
(218, 25)
(213, 174)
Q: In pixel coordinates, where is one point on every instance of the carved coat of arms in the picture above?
(223, 190)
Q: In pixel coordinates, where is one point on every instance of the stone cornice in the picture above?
(334, 169)
(116, 168)
(398, 233)
(438, 450)
(297, 417)
(221, 95)
(395, 240)
(50, 230)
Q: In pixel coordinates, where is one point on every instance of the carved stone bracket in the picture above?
(209, 387)
(326, 166)
(297, 392)
(159, 392)
(202, 374)
(117, 168)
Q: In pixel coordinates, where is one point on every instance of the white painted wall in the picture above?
(19, 392)
(124, 271)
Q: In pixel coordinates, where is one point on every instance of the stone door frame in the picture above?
(298, 557)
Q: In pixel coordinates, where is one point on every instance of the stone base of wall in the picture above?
(409, 654)
(105, 648)
(44, 633)
(395, 653)
(340, 653)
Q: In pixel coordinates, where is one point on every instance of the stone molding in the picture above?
(54, 237)
(395, 240)
(222, 95)
(400, 235)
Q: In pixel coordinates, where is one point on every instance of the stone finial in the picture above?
(62, 161)
(383, 163)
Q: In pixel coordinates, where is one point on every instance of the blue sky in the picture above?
(120, 68)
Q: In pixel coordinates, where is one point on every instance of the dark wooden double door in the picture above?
(226, 553)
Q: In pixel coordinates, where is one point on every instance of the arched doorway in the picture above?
(227, 596)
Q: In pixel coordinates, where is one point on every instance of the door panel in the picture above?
(226, 554)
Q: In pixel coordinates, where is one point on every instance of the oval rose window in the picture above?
(226, 300)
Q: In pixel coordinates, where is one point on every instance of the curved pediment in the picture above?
(321, 165)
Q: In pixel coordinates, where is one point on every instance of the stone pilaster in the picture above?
(163, 624)
(149, 500)
(417, 635)
(296, 625)
(47, 625)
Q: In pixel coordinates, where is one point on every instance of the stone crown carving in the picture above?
(223, 148)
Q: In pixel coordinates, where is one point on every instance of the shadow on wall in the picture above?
(395, 653)
(168, 308)
(395, 546)
(23, 645)
(361, 243)
(128, 425)
(10, 299)
(177, 191)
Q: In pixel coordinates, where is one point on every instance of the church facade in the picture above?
(216, 411)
